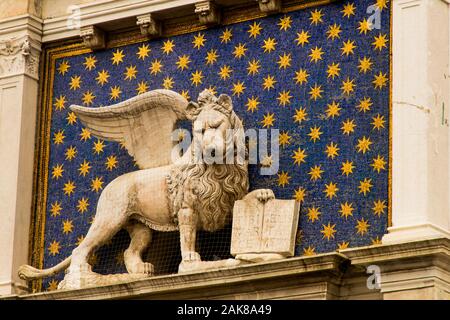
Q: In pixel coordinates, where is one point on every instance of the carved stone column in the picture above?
(420, 128)
(19, 70)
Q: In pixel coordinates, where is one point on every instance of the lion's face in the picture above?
(211, 129)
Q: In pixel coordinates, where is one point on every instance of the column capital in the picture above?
(18, 57)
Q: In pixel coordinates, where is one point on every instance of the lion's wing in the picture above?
(144, 124)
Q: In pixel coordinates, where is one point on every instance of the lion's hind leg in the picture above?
(140, 236)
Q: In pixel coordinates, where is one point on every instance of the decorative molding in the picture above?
(18, 57)
(93, 37)
(208, 12)
(149, 25)
(270, 6)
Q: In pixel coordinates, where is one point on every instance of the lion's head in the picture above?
(212, 183)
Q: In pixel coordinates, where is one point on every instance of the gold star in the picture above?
(130, 72)
(226, 36)
(142, 87)
(111, 162)
(283, 179)
(343, 245)
(284, 61)
(238, 88)
(54, 248)
(315, 133)
(70, 153)
(380, 80)
(310, 251)
(115, 92)
(348, 86)
(347, 167)
(211, 56)
(328, 231)
(269, 45)
(348, 126)
(252, 104)
(185, 94)
(63, 67)
(349, 10)
(364, 145)
(58, 137)
(102, 77)
(365, 64)
(376, 241)
(362, 226)
(365, 185)
(199, 41)
(57, 171)
(168, 46)
(68, 188)
(83, 205)
(315, 92)
(225, 72)
(85, 134)
(333, 70)
(98, 147)
(364, 26)
(316, 172)
(117, 57)
(316, 54)
(60, 102)
(299, 156)
(346, 210)
(300, 194)
(97, 184)
(285, 23)
(67, 226)
(168, 83)
(284, 139)
(348, 47)
(269, 82)
(143, 51)
(284, 98)
(381, 4)
(313, 214)
(268, 120)
(239, 50)
(196, 77)
(84, 168)
(378, 122)
(380, 42)
(75, 82)
(330, 190)
(56, 209)
(52, 285)
(333, 110)
(80, 240)
(302, 38)
(334, 31)
(156, 66)
(316, 17)
(378, 207)
(300, 115)
(71, 118)
(89, 63)
(253, 67)
(364, 105)
(88, 98)
(332, 150)
(255, 29)
(301, 76)
(378, 164)
(212, 89)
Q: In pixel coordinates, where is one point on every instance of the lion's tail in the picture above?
(27, 272)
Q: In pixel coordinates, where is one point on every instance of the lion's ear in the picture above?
(225, 101)
(192, 110)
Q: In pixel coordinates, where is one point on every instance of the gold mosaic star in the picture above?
(54, 248)
(226, 36)
(299, 194)
(378, 122)
(115, 93)
(58, 137)
(380, 42)
(332, 150)
(60, 103)
(348, 47)
(69, 188)
(75, 82)
(284, 98)
(347, 167)
(102, 77)
(117, 57)
(349, 10)
(310, 251)
(84, 168)
(364, 144)
(378, 164)
(156, 66)
(168, 46)
(269, 82)
(225, 72)
(211, 56)
(253, 67)
(330, 190)
(83, 205)
(285, 23)
(98, 147)
(316, 17)
(88, 98)
(302, 38)
(378, 207)
(143, 51)
(316, 172)
(283, 179)
(55, 209)
(346, 210)
(284, 61)
(365, 64)
(252, 104)
(348, 86)
(315, 92)
(301, 76)
(89, 63)
(362, 226)
(364, 26)
(142, 87)
(111, 162)
(269, 44)
(313, 214)
(328, 231)
(334, 32)
(168, 83)
(130, 73)
(299, 156)
(380, 80)
(239, 51)
(196, 77)
(365, 185)
(57, 171)
(97, 184)
(333, 70)
(238, 88)
(85, 134)
(333, 110)
(268, 120)
(63, 67)
(348, 126)
(316, 54)
(364, 104)
(67, 226)
(300, 115)
(70, 153)
(315, 133)
(199, 41)
(255, 29)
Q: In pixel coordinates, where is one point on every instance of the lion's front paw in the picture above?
(191, 256)
(264, 195)
(142, 268)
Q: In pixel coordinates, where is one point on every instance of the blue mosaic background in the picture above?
(338, 138)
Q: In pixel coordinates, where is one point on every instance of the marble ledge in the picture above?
(337, 275)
